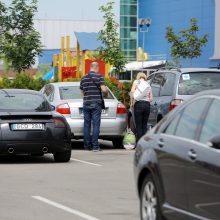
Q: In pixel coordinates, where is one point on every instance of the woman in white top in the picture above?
(140, 101)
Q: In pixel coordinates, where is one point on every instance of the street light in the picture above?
(142, 23)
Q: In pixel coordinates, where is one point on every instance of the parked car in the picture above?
(171, 87)
(177, 163)
(66, 98)
(28, 126)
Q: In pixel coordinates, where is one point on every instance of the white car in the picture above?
(66, 98)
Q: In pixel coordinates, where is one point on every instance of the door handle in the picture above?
(192, 155)
(160, 143)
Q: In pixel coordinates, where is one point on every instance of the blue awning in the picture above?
(88, 41)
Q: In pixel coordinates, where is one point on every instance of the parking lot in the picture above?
(93, 186)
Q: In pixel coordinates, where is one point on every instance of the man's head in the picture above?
(94, 67)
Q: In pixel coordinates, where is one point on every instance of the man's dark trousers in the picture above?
(92, 116)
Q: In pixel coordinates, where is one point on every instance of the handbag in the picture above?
(102, 100)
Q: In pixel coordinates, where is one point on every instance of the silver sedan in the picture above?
(66, 98)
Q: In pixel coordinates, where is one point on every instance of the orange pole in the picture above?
(77, 60)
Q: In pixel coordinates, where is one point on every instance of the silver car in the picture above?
(66, 98)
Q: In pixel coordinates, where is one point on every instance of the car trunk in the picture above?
(9, 119)
(76, 108)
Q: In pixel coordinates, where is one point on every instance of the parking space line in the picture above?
(86, 162)
(65, 208)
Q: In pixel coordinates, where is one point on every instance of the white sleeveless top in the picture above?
(146, 95)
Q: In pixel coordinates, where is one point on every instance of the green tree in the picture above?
(3, 19)
(186, 44)
(21, 42)
(111, 52)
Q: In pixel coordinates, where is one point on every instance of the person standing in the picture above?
(92, 86)
(141, 105)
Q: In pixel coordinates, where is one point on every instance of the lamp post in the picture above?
(142, 23)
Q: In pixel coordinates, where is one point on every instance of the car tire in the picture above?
(118, 143)
(62, 157)
(149, 200)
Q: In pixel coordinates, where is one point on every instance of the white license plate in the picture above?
(103, 112)
(34, 126)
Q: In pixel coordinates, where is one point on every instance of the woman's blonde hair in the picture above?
(141, 75)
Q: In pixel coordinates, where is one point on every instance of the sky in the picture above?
(71, 9)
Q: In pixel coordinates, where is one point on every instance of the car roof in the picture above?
(58, 84)
(21, 91)
(179, 71)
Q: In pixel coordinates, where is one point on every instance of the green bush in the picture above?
(23, 81)
(120, 90)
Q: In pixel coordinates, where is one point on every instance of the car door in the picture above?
(155, 85)
(168, 81)
(173, 144)
(203, 169)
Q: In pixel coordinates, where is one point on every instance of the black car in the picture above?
(29, 126)
(177, 163)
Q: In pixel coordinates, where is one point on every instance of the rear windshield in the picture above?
(73, 92)
(23, 102)
(191, 83)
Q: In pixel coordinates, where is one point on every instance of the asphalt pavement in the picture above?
(92, 186)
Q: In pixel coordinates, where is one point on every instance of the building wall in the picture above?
(177, 13)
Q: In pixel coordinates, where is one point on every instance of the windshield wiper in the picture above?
(7, 94)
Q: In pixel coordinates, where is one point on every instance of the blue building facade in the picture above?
(177, 13)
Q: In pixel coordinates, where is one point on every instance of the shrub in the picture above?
(23, 81)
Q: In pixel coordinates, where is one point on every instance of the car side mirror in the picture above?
(53, 108)
(215, 142)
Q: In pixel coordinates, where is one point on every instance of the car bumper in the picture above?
(112, 127)
(33, 147)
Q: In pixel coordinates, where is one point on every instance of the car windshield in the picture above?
(73, 92)
(191, 83)
(10, 101)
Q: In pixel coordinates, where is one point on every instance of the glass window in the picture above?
(30, 102)
(191, 119)
(167, 84)
(128, 33)
(155, 85)
(49, 92)
(128, 10)
(128, 44)
(191, 83)
(126, 21)
(211, 127)
(73, 92)
(171, 128)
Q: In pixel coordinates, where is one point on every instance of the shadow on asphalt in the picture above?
(105, 145)
(25, 159)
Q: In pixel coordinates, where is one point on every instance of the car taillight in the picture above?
(59, 123)
(63, 109)
(121, 109)
(174, 103)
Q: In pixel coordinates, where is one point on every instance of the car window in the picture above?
(49, 92)
(155, 84)
(191, 83)
(73, 92)
(23, 102)
(211, 126)
(191, 118)
(171, 128)
(167, 84)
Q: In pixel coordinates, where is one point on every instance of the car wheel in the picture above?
(149, 201)
(118, 143)
(62, 156)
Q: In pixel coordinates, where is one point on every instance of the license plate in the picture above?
(35, 126)
(103, 112)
